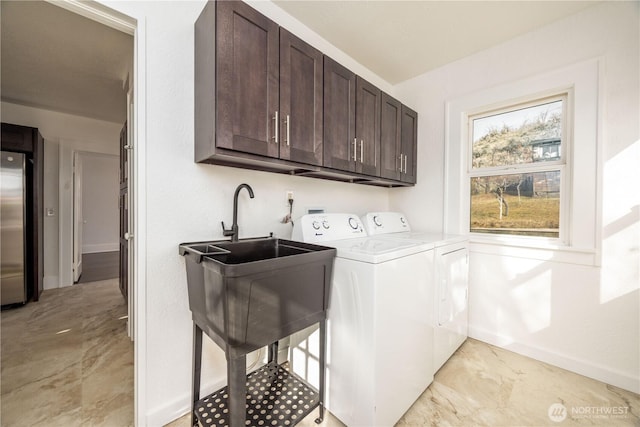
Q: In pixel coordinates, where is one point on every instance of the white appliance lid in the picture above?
(376, 250)
(437, 239)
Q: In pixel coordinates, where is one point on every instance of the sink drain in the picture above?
(275, 397)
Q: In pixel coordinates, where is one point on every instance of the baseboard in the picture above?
(179, 407)
(100, 247)
(598, 372)
(50, 282)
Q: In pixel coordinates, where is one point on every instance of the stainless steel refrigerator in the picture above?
(13, 287)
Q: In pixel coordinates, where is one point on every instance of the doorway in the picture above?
(96, 206)
(66, 143)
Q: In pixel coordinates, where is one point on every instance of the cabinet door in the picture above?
(339, 116)
(367, 128)
(247, 80)
(409, 149)
(300, 100)
(390, 142)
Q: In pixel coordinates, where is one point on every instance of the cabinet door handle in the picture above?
(361, 151)
(287, 121)
(355, 154)
(405, 163)
(276, 124)
(400, 163)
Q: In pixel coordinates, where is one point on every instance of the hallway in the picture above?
(99, 266)
(67, 359)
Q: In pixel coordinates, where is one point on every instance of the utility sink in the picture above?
(250, 293)
(245, 251)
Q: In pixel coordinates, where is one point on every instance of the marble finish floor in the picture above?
(483, 385)
(66, 360)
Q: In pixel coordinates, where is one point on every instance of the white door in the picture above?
(130, 172)
(77, 216)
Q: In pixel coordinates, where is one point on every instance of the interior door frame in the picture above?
(116, 16)
(77, 216)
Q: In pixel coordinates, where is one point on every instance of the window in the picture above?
(516, 169)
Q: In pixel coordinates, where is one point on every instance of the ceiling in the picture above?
(399, 40)
(58, 60)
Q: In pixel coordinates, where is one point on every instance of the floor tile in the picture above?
(67, 360)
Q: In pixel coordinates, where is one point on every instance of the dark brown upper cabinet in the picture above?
(267, 95)
(267, 100)
(390, 137)
(301, 95)
(398, 140)
(367, 128)
(409, 135)
(339, 116)
(237, 80)
(247, 74)
(351, 121)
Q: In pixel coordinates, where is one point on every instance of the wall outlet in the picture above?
(289, 196)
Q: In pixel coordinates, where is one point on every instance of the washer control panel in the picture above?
(325, 227)
(385, 222)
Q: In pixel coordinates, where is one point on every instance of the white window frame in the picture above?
(563, 165)
(583, 221)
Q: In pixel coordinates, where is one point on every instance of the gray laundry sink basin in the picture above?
(246, 251)
(250, 293)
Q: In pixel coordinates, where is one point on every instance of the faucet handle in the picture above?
(225, 231)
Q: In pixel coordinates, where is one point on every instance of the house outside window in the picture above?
(517, 169)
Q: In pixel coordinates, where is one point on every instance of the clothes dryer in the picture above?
(450, 279)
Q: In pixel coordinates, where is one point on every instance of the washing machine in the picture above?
(450, 279)
(379, 357)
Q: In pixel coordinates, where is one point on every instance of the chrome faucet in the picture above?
(233, 232)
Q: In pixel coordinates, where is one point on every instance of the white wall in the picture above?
(100, 202)
(63, 134)
(185, 201)
(581, 316)
(51, 207)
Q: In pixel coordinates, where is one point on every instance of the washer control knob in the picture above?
(353, 223)
(325, 224)
(316, 225)
(377, 221)
(402, 220)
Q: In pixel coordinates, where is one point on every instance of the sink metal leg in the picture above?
(323, 347)
(273, 352)
(237, 388)
(195, 372)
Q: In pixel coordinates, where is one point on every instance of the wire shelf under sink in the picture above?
(275, 397)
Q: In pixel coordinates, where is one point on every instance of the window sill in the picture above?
(538, 250)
